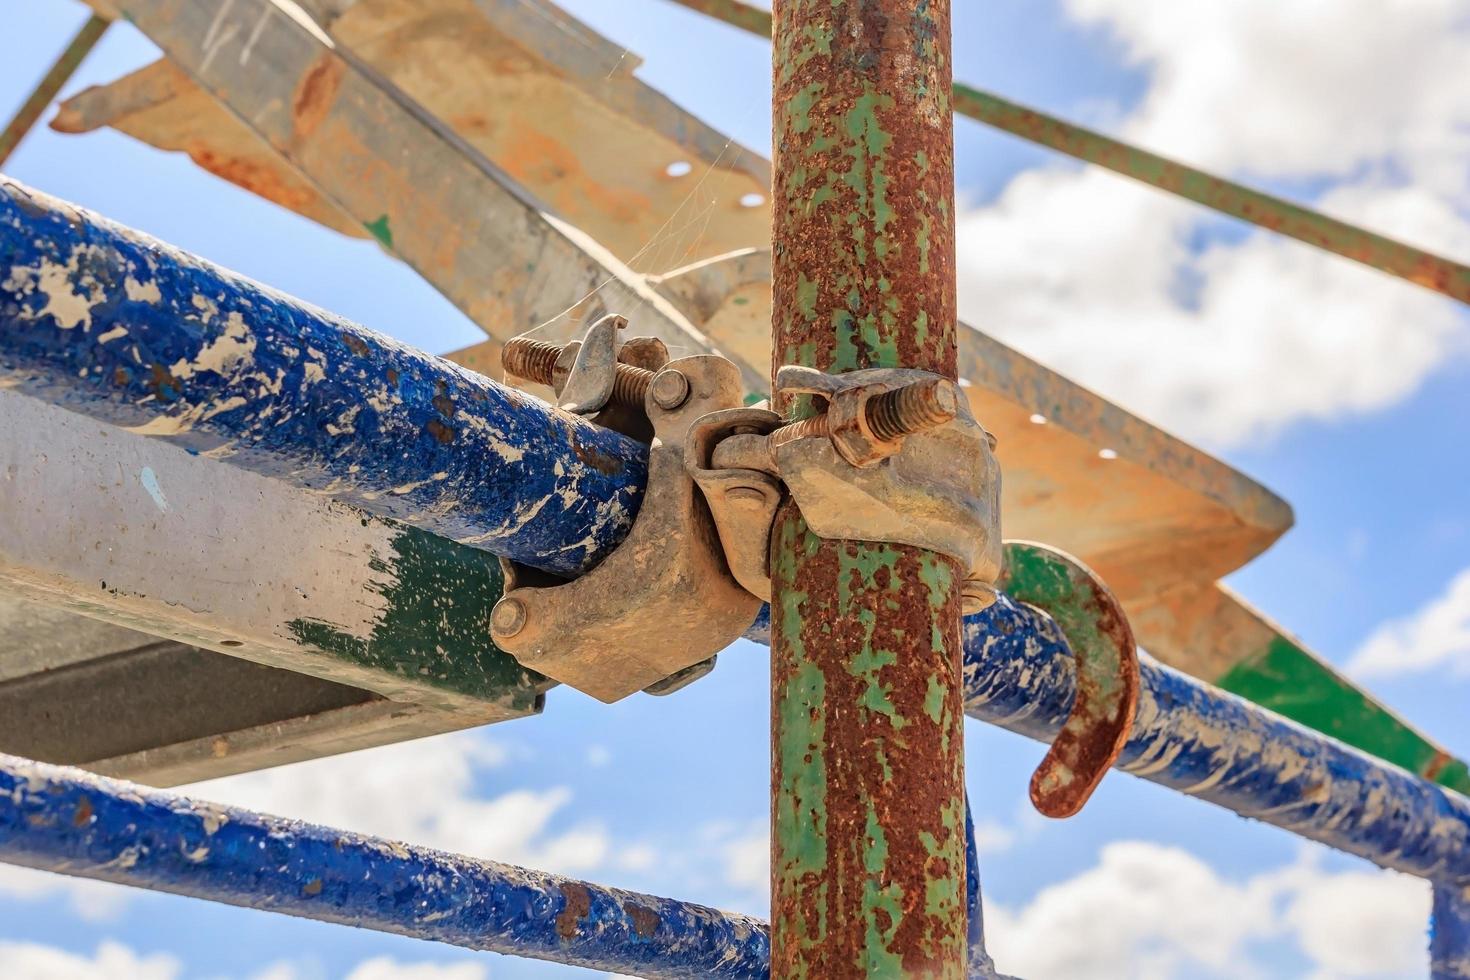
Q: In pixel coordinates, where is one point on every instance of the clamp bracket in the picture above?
(653, 614)
(896, 457)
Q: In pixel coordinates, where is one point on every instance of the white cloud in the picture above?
(1433, 638)
(747, 860)
(423, 792)
(1151, 912)
(1102, 278)
(383, 968)
(92, 901)
(115, 961)
(112, 961)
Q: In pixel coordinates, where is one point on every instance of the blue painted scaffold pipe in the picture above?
(1449, 933)
(1194, 738)
(120, 327)
(63, 819)
(117, 326)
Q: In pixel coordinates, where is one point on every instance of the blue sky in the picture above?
(1341, 390)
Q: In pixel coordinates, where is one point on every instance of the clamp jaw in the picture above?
(652, 615)
(896, 457)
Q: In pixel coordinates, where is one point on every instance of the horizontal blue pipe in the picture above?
(120, 327)
(117, 326)
(1192, 737)
(65, 820)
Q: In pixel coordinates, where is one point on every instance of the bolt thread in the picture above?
(630, 385)
(891, 415)
(912, 408)
(530, 359)
(535, 361)
(814, 427)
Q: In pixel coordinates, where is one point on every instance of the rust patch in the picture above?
(163, 385)
(599, 461)
(445, 405)
(255, 176)
(83, 816)
(312, 888)
(356, 344)
(440, 431)
(645, 921)
(1106, 657)
(578, 904)
(315, 94)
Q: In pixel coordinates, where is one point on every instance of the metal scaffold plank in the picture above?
(396, 170)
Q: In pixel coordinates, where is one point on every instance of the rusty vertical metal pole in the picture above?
(62, 69)
(868, 869)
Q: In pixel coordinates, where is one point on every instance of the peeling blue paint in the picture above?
(69, 821)
(1199, 740)
(122, 328)
(1449, 933)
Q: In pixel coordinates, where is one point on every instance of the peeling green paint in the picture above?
(380, 230)
(434, 628)
(1292, 682)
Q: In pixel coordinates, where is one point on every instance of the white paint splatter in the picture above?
(149, 479)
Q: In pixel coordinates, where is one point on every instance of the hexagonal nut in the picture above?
(847, 427)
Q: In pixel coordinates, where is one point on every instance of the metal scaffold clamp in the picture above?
(653, 614)
(895, 457)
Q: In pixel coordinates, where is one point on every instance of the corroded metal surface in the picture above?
(65, 820)
(126, 330)
(1198, 740)
(1443, 275)
(556, 107)
(1142, 507)
(868, 813)
(1449, 933)
(666, 579)
(1106, 671)
(56, 76)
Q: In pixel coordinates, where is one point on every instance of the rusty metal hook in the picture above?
(1107, 671)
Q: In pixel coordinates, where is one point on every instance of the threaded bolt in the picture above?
(536, 360)
(913, 408)
(916, 407)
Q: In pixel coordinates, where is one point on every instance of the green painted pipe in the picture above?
(868, 813)
(61, 70)
(1227, 197)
